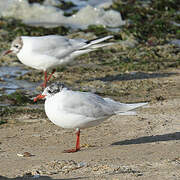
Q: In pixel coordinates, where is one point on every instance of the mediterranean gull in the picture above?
(75, 109)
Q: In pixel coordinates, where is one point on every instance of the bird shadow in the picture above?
(150, 139)
(132, 76)
(39, 178)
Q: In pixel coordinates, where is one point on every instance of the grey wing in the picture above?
(57, 46)
(122, 107)
(86, 104)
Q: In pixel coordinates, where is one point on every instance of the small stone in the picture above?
(25, 154)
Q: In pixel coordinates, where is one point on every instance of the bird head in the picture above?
(16, 46)
(50, 91)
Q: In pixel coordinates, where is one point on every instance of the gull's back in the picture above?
(83, 103)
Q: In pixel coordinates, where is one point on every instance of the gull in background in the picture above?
(49, 52)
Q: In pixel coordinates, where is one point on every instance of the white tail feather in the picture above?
(121, 107)
(100, 40)
(93, 42)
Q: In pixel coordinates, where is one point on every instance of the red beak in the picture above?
(6, 52)
(40, 96)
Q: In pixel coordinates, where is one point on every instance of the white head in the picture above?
(51, 91)
(16, 46)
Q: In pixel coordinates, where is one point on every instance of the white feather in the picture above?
(75, 109)
(46, 52)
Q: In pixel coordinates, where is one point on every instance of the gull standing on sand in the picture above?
(48, 52)
(75, 109)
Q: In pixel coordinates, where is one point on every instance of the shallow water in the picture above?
(9, 83)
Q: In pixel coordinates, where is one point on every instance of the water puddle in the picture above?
(9, 83)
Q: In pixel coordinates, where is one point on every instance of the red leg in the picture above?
(78, 140)
(77, 144)
(53, 71)
(45, 79)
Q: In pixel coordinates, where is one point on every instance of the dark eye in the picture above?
(16, 46)
(49, 91)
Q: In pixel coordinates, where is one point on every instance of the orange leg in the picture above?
(77, 144)
(53, 71)
(46, 79)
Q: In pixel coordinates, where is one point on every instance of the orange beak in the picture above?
(40, 96)
(6, 52)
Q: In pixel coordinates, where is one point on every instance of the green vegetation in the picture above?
(36, 1)
(65, 5)
(98, 30)
(3, 121)
(16, 98)
(152, 20)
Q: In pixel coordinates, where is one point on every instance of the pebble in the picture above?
(25, 154)
(71, 166)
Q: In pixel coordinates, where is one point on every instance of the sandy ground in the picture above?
(145, 146)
